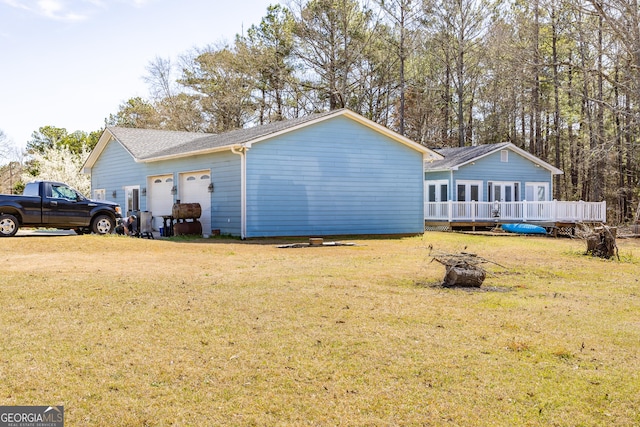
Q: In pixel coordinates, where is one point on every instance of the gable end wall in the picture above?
(491, 168)
(333, 178)
(115, 169)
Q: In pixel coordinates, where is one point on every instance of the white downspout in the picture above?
(242, 152)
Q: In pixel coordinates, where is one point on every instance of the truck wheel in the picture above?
(103, 224)
(8, 225)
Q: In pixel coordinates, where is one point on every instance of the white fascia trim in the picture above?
(454, 168)
(97, 150)
(105, 139)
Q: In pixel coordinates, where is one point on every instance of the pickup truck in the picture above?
(56, 205)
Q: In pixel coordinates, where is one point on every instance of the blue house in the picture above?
(330, 173)
(497, 183)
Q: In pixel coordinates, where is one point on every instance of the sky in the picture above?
(71, 63)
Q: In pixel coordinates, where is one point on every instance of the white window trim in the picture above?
(127, 190)
(513, 185)
(538, 184)
(468, 183)
(438, 183)
(504, 156)
(100, 194)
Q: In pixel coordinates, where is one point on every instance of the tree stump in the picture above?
(602, 242)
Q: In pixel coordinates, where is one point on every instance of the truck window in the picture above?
(63, 192)
(32, 189)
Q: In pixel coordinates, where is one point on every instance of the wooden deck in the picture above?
(553, 228)
(556, 216)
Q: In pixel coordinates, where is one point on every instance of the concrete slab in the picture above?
(44, 232)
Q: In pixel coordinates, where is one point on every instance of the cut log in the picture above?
(462, 269)
(468, 276)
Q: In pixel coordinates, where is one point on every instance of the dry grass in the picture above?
(135, 332)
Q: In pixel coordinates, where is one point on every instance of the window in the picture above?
(468, 191)
(462, 193)
(33, 189)
(63, 192)
(100, 194)
(432, 193)
(504, 156)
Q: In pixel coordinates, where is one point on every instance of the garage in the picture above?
(326, 174)
(160, 198)
(194, 188)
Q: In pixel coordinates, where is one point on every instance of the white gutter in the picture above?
(241, 150)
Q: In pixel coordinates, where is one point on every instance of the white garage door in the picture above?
(194, 188)
(160, 199)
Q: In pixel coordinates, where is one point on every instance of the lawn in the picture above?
(137, 332)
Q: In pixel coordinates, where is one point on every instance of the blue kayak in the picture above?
(524, 228)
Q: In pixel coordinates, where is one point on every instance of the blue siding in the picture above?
(491, 168)
(225, 176)
(439, 175)
(334, 177)
(115, 169)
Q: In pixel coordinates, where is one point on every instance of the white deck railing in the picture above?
(553, 211)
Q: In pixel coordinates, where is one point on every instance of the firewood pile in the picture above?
(462, 269)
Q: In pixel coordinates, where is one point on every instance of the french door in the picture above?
(537, 191)
(467, 191)
(504, 191)
(437, 193)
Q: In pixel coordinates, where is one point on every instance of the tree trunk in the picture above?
(536, 135)
(556, 96)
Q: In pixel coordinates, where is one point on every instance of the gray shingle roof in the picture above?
(147, 144)
(460, 155)
(144, 143)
